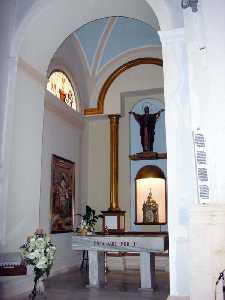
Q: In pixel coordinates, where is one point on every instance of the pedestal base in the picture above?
(148, 155)
(96, 268)
(207, 245)
(147, 270)
(113, 221)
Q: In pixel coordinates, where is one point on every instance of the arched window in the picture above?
(60, 86)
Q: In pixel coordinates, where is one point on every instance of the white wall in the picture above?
(25, 161)
(99, 165)
(61, 136)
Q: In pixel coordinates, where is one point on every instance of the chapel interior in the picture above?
(107, 107)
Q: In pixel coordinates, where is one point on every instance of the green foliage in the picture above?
(90, 218)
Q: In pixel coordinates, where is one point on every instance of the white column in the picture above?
(206, 47)
(147, 269)
(7, 71)
(96, 268)
(5, 157)
(204, 31)
(180, 163)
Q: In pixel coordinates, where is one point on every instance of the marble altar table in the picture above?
(146, 244)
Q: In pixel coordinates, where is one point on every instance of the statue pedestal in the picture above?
(148, 155)
(113, 221)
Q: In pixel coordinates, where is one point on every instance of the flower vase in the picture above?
(89, 233)
(83, 231)
(38, 292)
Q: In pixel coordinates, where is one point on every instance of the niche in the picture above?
(150, 196)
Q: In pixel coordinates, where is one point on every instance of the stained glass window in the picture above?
(60, 86)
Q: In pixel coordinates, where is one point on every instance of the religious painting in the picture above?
(62, 195)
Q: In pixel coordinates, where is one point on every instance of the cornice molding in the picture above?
(171, 36)
(53, 104)
(33, 72)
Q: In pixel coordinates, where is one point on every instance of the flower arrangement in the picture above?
(89, 220)
(39, 252)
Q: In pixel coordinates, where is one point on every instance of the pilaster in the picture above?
(114, 161)
(180, 162)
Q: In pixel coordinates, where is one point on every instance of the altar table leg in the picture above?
(96, 268)
(147, 269)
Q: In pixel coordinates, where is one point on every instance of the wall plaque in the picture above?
(201, 166)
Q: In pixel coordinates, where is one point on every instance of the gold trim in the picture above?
(133, 63)
(114, 162)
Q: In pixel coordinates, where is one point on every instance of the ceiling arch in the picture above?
(48, 23)
(104, 40)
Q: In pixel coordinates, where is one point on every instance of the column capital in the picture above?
(114, 117)
(174, 36)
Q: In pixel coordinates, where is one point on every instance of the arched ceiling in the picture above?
(106, 39)
(92, 52)
(47, 23)
(42, 26)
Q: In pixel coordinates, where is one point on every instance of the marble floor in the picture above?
(120, 285)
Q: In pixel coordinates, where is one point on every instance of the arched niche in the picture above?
(150, 196)
(154, 105)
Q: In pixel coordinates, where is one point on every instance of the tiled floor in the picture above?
(120, 285)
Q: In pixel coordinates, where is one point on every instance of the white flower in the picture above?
(32, 243)
(31, 255)
(42, 263)
(39, 252)
(40, 243)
